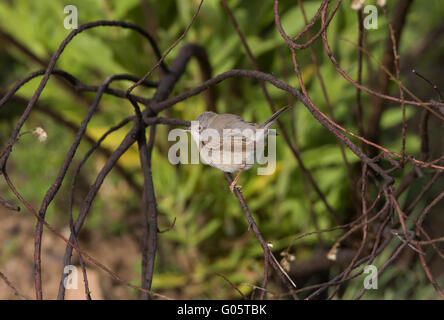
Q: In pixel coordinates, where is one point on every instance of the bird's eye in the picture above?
(199, 128)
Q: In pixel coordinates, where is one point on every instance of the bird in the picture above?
(228, 142)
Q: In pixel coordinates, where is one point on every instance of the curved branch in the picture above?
(78, 85)
(51, 66)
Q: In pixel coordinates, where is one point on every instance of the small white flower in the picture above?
(285, 264)
(270, 245)
(357, 4)
(332, 256)
(333, 253)
(40, 133)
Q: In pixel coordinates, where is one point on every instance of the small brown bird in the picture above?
(234, 141)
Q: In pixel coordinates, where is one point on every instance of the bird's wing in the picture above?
(235, 128)
(232, 140)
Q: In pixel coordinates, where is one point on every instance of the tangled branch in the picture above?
(378, 217)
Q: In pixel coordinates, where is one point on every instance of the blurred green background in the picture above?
(210, 234)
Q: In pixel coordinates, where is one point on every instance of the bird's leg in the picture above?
(233, 184)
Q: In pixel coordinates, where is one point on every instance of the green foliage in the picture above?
(210, 234)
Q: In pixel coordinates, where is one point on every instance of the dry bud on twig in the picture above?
(357, 4)
(40, 133)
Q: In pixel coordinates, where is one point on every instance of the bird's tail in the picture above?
(269, 122)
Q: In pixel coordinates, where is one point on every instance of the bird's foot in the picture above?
(234, 186)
